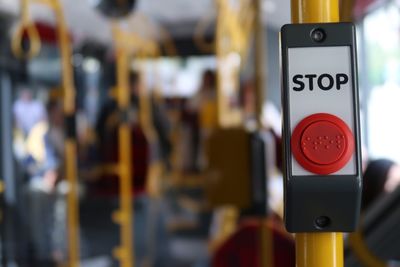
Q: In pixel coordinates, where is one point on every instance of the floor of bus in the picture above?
(155, 242)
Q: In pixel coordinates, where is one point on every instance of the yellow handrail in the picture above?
(2, 187)
(315, 11)
(346, 10)
(362, 252)
(70, 143)
(165, 38)
(317, 249)
(32, 34)
(199, 34)
(69, 112)
(124, 216)
(233, 32)
(236, 23)
(129, 44)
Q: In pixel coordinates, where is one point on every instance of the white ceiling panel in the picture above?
(85, 22)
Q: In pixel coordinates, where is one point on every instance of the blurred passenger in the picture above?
(27, 111)
(207, 101)
(45, 145)
(55, 135)
(107, 131)
(381, 177)
(204, 105)
(162, 127)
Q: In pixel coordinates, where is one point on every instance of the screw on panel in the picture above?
(322, 222)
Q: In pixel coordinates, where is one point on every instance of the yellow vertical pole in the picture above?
(69, 112)
(317, 249)
(124, 216)
(346, 10)
(315, 11)
(24, 12)
(70, 142)
(266, 253)
(68, 109)
(218, 53)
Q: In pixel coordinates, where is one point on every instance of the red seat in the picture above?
(242, 249)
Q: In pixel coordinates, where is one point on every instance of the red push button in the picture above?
(322, 143)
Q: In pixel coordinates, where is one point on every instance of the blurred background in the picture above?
(147, 133)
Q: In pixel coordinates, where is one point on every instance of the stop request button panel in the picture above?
(321, 127)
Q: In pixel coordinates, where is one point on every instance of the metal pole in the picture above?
(317, 249)
(70, 142)
(68, 109)
(315, 11)
(346, 10)
(125, 253)
(266, 253)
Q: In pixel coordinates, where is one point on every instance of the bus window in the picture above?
(381, 28)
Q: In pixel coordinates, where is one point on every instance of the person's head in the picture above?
(26, 95)
(209, 80)
(55, 113)
(381, 176)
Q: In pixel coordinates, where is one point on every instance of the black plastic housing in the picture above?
(310, 200)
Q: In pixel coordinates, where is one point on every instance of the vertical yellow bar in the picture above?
(24, 12)
(127, 255)
(72, 204)
(267, 246)
(346, 10)
(218, 52)
(126, 250)
(317, 249)
(70, 143)
(315, 11)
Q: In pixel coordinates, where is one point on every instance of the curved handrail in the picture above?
(362, 252)
(199, 34)
(32, 35)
